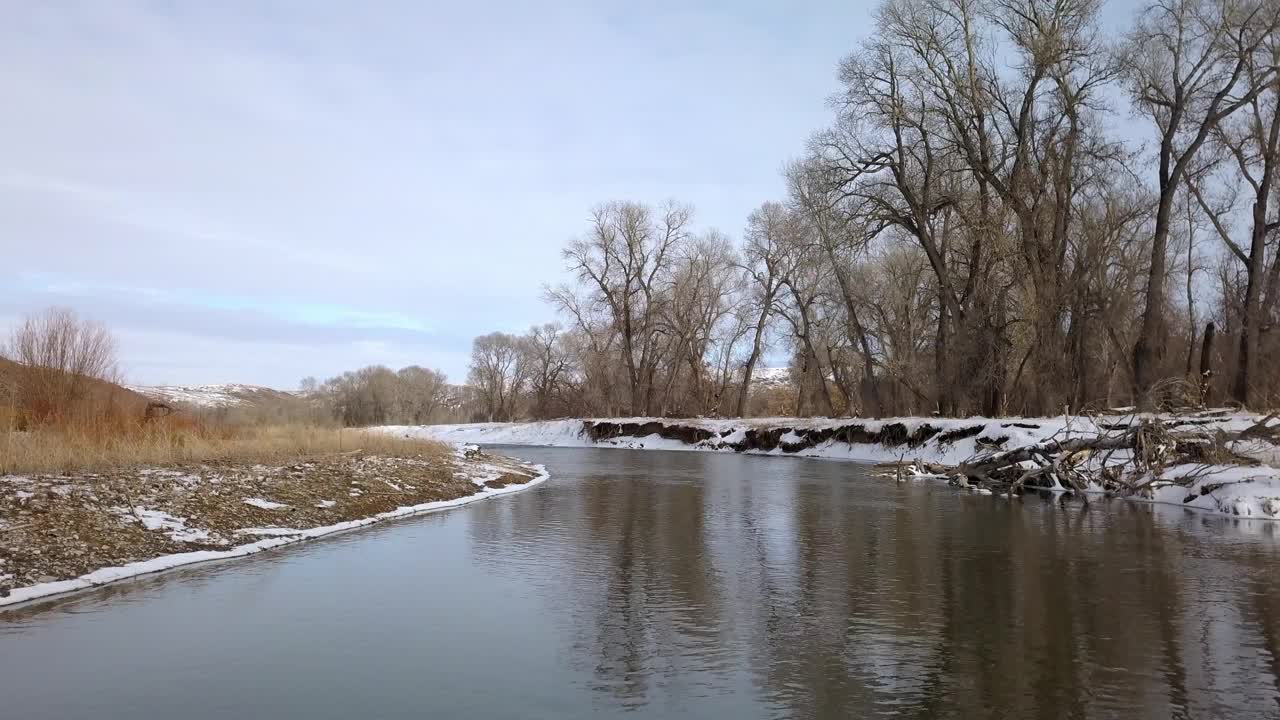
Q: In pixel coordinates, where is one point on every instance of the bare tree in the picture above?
(842, 240)
(1246, 147)
(421, 393)
(498, 373)
(626, 259)
(1188, 69)
(802, 307)
(62, 354)
(548, 366)
(765, 261)
(702, 283)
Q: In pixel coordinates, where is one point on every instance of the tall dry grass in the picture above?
(62, 411)
(50, 449)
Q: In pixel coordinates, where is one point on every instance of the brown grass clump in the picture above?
(173, 440)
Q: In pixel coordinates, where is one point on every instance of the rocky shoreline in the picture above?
(64, 532)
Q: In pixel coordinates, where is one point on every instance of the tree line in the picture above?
(378, 395)
(971, 234)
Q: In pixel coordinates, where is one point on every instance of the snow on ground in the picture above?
(159, 520)
(264, 504)
(1232, 490)
(269, 531)
(569, 433)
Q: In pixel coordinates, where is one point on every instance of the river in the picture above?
(679, 584)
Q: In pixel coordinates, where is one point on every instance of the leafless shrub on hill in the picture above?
(60, 354)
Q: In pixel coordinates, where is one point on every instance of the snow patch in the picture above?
(264, 504)
(175, 527)
(269, 531)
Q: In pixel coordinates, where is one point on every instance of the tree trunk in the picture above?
(752, 359)
(941, 361)
(1148, 353)
(1251, 316)
(1206, 365)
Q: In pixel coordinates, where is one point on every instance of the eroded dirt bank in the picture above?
(789, 439)
(1217, 460)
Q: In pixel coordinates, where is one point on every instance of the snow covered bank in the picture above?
(1250, 491)
(489, 476)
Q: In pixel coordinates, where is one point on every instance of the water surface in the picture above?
(664, 584)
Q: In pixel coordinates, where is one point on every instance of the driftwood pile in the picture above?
(1125, 458)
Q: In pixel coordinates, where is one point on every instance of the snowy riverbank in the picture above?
(203, 508)
(1232, 489)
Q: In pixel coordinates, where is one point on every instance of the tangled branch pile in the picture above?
(1127, 458)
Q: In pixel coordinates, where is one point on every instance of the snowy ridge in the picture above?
(1226, 489)
(277, 537)
(770, 377)
(209, 396)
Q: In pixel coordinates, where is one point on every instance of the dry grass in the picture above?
(172, 440)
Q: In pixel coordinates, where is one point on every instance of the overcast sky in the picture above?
(256, 192)
(260, 191)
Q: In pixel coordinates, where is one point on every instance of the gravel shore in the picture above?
(59, 527)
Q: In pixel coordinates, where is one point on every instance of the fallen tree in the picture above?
(1122, 458)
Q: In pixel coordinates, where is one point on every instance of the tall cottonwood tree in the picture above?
(766, 260)
(547, 364)
(498, 373)
(1245, 149)
(1187, 68)
(842, 237)
(700, 292)
(625, 262)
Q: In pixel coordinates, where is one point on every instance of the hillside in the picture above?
(100, 392)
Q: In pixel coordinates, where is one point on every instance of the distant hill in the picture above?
(765, 378)
(213, 396)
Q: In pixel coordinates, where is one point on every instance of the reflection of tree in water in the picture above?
(659, 608)
(1037, 609)
(632, 571)
(1265, 613)
(837, 597)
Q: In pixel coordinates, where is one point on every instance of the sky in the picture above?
(262, 191)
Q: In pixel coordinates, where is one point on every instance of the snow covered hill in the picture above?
(765, 378)
(211, 396)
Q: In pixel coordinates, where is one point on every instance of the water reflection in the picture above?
(821, 593)
(646, 584)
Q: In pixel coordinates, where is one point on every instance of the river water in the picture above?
(664, 584)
